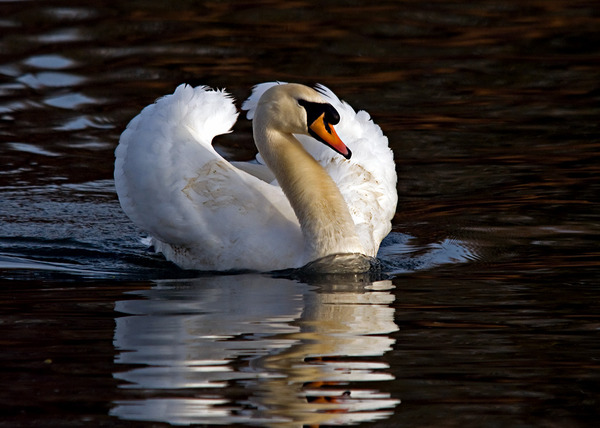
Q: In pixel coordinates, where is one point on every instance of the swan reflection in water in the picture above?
(254, 349)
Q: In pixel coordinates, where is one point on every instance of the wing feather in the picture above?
(176, 187)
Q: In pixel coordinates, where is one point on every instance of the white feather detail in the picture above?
(206, 213)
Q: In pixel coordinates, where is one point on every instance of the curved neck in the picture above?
(326, 223)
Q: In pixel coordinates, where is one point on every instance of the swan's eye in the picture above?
(331, 115)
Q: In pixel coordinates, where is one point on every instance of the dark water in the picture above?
(488, 312)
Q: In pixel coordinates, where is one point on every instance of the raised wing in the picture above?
(176, 187)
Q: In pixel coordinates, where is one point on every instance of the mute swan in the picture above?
(308, 196)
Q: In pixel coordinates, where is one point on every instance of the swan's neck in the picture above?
(326, 223)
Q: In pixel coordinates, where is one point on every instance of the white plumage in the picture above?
(206, 213)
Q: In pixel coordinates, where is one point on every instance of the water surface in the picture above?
(486, 310)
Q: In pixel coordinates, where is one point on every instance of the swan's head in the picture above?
(297, 109)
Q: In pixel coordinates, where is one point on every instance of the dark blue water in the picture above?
(485, 311)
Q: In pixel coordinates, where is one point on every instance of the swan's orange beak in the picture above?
(325, 132)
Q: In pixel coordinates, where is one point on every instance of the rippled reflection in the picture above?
(255, 349)
(50, 62)
(51, 79)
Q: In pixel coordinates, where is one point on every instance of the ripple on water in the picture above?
(22, 264)
(70, 100)
(51, 79)
(49, 62)
(399, 254)
(31, 148)
(64, 35)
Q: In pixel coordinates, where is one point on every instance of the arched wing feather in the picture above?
(176, 187)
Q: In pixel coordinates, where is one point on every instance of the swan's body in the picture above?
(206, 213)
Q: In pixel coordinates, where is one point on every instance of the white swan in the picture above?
(300, 202)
